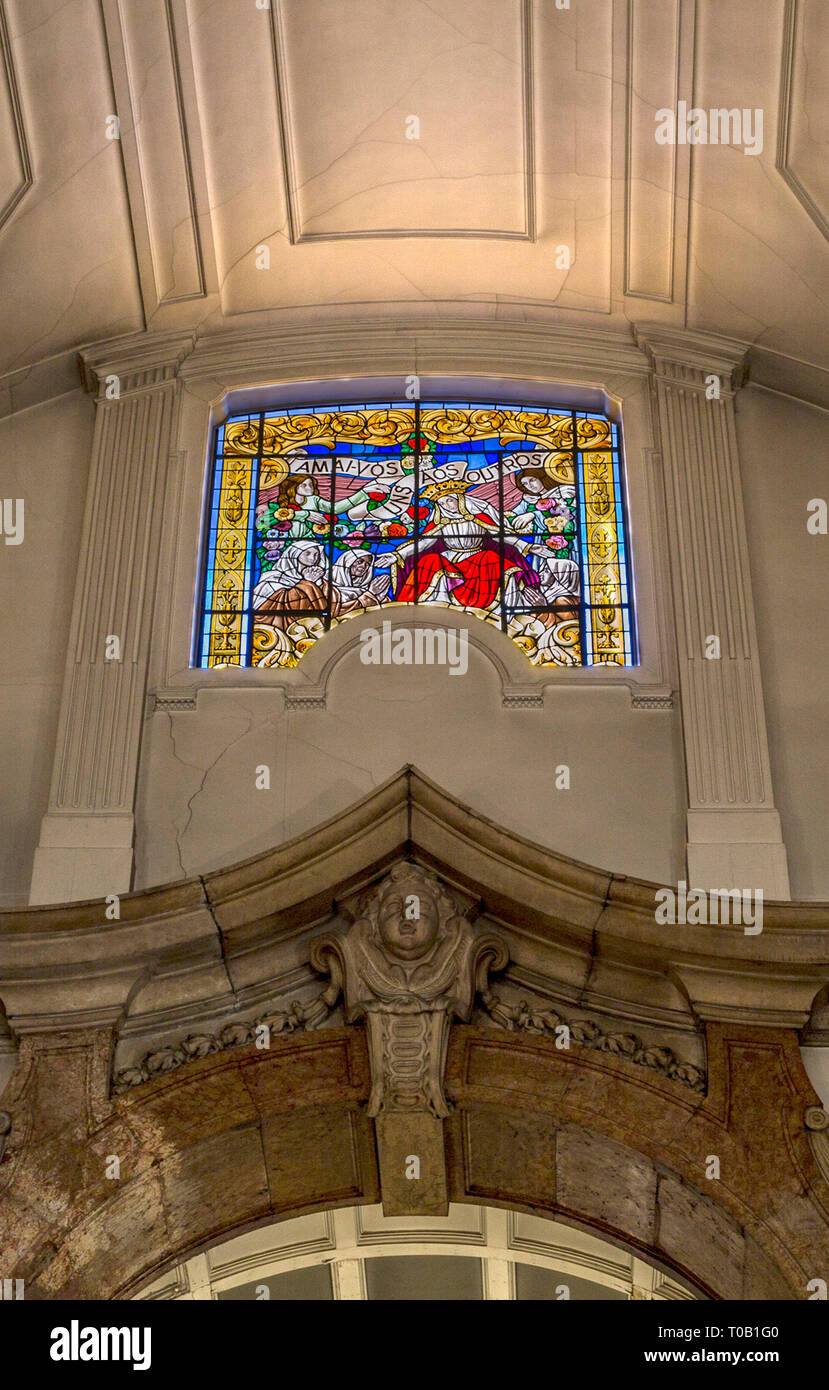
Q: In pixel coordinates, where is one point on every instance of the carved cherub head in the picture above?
(410, 905)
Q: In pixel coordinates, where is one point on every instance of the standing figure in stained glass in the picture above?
(545, 506)
(298, 512)
(545, 520)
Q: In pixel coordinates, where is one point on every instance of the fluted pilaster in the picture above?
(86, 836)
(734, 836)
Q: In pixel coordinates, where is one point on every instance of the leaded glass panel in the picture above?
(512, 514)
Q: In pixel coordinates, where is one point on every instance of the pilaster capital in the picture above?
(140, 361)
(685, 358)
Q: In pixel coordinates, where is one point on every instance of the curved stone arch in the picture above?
(8, 1058)
(521, 685)
(236, 1141)
(240, 1137)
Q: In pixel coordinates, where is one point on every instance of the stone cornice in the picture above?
(319, 342)
(789, 376)
(401, 342)
(206, 943)
(372, 345)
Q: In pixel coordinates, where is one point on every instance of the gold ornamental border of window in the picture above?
(604, 577)
(282, 433)
(225, 645)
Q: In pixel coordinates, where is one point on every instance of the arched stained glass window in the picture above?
(510, 513)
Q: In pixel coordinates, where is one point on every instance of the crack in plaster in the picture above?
(180, 833)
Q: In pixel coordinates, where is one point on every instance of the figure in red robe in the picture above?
(459, 560)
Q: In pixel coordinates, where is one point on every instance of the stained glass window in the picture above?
(512, 514)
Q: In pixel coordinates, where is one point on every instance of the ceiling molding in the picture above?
(791, 95)
(403, 341)
(43, 381)
(25, 177)
(293, 350)
(788, 376)
(152, 76)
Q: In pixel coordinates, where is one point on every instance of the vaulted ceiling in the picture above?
(309, 158)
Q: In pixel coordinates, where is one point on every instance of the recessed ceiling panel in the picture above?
(653, 29)
(403, 118)
(15, 166)
(404, 1278)
(803, 147)
(311, 1284)
(535, 1284)
(147, 81)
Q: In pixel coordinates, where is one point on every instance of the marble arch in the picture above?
(681, 1049)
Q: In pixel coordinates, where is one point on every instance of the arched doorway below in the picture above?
(473, 1253)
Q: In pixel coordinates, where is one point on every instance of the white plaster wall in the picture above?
(44, 458)
(199, 809)
(783, 455)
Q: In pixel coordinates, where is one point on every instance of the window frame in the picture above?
(616, 447)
